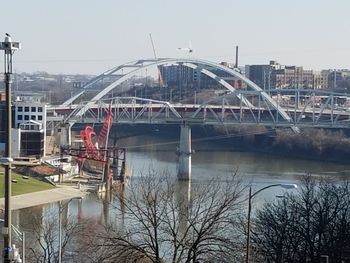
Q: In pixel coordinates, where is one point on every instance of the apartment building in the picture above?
(277, 76)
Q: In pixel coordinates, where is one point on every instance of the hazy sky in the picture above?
(85, 36)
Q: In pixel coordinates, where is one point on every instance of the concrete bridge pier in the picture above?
(64, 134)
(184, 153)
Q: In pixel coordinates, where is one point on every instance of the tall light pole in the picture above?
(285, 186)
(60, 210)
(9, 48)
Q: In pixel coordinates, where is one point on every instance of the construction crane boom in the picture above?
(160, 78)
(154, 50)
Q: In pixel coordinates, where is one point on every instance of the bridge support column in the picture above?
(65, 134)
(185, 152)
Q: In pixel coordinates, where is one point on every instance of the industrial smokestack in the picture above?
(236, 64)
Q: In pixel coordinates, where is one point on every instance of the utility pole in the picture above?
(9, 48)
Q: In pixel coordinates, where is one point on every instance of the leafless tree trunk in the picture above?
(163, 223)
(306, 226)
(42, 238)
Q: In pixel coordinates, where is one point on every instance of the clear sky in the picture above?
(88, 37)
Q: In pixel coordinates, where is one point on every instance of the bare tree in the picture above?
(42, 238)
(163, 223)
(307, 226)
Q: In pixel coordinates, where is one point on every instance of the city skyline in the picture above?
(87, 37)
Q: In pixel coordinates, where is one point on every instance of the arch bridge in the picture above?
(249, 105)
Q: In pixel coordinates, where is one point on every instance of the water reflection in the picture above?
(256, 169)
(106, 199)
(183, 200)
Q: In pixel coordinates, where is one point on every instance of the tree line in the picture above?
(158, 221)
(306, 227)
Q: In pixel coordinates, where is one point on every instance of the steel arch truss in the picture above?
(130, 110)
(135, 67)
(315, 109)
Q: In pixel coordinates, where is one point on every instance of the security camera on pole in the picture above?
(9, 48)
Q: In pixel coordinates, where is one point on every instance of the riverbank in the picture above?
(24, 184)
(43, 197)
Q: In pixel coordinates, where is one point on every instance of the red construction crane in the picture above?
(93, 146)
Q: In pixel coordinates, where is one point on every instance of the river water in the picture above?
(256, 169)
(213, 161)
(208, 162)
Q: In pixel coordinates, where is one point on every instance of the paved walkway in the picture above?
(42, 197)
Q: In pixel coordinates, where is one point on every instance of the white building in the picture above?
(30, 119)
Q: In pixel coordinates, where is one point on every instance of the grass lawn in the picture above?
(23, 186)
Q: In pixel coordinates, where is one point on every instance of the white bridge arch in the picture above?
(203, 65)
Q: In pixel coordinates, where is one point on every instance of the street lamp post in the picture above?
(61, 207)
(251, 195)
(9, 48)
